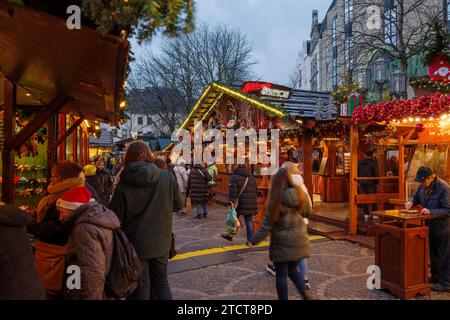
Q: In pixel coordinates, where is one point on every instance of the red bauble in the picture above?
(419, 127)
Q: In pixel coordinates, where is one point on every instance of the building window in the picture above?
(447, 8)
(140, 120)
(390, 23)
(348, 11)
(335, 52)
(348, 53)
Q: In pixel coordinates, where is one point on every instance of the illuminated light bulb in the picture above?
(123, 104)
(410, 119)
(431, 118)
(444, 117)
(404, 120)
(417, 119)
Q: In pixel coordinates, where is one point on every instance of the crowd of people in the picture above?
(86, 209)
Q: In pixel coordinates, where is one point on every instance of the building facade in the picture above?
(355, 33)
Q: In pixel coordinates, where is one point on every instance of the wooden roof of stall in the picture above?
(301, 104)
(42, 56)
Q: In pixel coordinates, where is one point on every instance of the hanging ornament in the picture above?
(419, 127)
(440, 68)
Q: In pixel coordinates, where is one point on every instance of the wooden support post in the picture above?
(354, 144)
(38, 121)
(307, 162)
(9, 120)
(332, 158)
(401, 170)
(51, 152)
(66, 134)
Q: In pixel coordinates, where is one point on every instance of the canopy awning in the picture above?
(40, 54)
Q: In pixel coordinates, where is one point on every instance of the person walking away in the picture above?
(283, 220)
(18, 276)
(104, 183)
(433, 198)
(51, 234)
(182, 180)
(91, 181)
(144, 202)
(90, 243)
(368, 167)
(244, 192)
(197, 189)
(297, 178)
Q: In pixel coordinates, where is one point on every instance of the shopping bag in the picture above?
(232, 222)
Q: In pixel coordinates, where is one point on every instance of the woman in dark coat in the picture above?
(144, 201)
(18, 276)
(243, 190)
(198, 189)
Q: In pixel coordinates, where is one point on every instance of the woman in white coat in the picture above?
(182, 179)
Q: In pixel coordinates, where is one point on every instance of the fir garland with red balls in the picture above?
(432, 105)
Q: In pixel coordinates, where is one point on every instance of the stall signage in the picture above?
(435, 133)
(266, 89)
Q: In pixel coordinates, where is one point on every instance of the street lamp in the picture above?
(362, 77)
(399, 83)
(380, 70)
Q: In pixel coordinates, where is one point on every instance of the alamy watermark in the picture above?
(374, 280)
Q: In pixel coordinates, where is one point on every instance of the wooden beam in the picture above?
(9, 120)
(66, 134)
(38, 121)
(51, 153)
(404, 140)
(401, 168)
(307, 162)
(354, 144)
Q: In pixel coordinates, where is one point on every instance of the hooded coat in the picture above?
(144, 201)
(288, 236)
(367, 167)
(90, 247)
(198, 184)
(18, 276)
(248, 200)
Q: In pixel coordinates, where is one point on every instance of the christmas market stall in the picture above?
(297, 114)
(55, 84)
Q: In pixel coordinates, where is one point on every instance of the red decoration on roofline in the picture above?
(432, 105)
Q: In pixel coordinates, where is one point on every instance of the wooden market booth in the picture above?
(418, 131)
(260, 105)
(71, 79)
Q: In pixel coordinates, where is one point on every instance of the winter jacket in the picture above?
(367, 167)
(182, 178)
(144, 201)
(288, 236)
(437, 201)
(248, 200)
(198, 184)
(18, 276)
(102, 182)
(90, 247)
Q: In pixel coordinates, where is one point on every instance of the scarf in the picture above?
(55, 191)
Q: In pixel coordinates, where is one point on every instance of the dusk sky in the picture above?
(276, 29)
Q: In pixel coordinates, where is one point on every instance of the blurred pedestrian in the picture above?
(18, 277)
(368, 167)
(287, 205)
(244, 193)
(197, 189)
(144, 201)
(91, 181)
(102, 183)
(182, 179)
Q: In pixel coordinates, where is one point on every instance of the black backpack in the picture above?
(123, 276)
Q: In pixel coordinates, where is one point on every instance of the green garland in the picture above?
(426, 83)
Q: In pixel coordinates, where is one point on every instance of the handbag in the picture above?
(49, 260)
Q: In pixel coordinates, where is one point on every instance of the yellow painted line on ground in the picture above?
(198, 253)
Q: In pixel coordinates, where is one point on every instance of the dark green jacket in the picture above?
(288, 236)
(144, 201)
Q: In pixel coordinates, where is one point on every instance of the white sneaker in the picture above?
(270, 269)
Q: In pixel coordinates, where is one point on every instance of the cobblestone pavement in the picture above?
(337, 269)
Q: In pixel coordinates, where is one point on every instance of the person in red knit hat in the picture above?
(90, 244)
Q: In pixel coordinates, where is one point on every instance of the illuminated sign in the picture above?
(266, 89)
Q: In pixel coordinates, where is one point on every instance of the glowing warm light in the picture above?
(87, 123)
(404, 120)
(410, 119)
(123, 104)
(443, 117)
(431, 119)
(417, 119)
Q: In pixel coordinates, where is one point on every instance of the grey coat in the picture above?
(90, 247)
(288, 236)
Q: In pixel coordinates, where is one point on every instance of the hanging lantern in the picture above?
(362, 77)
(380, 67)
(399, 82)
